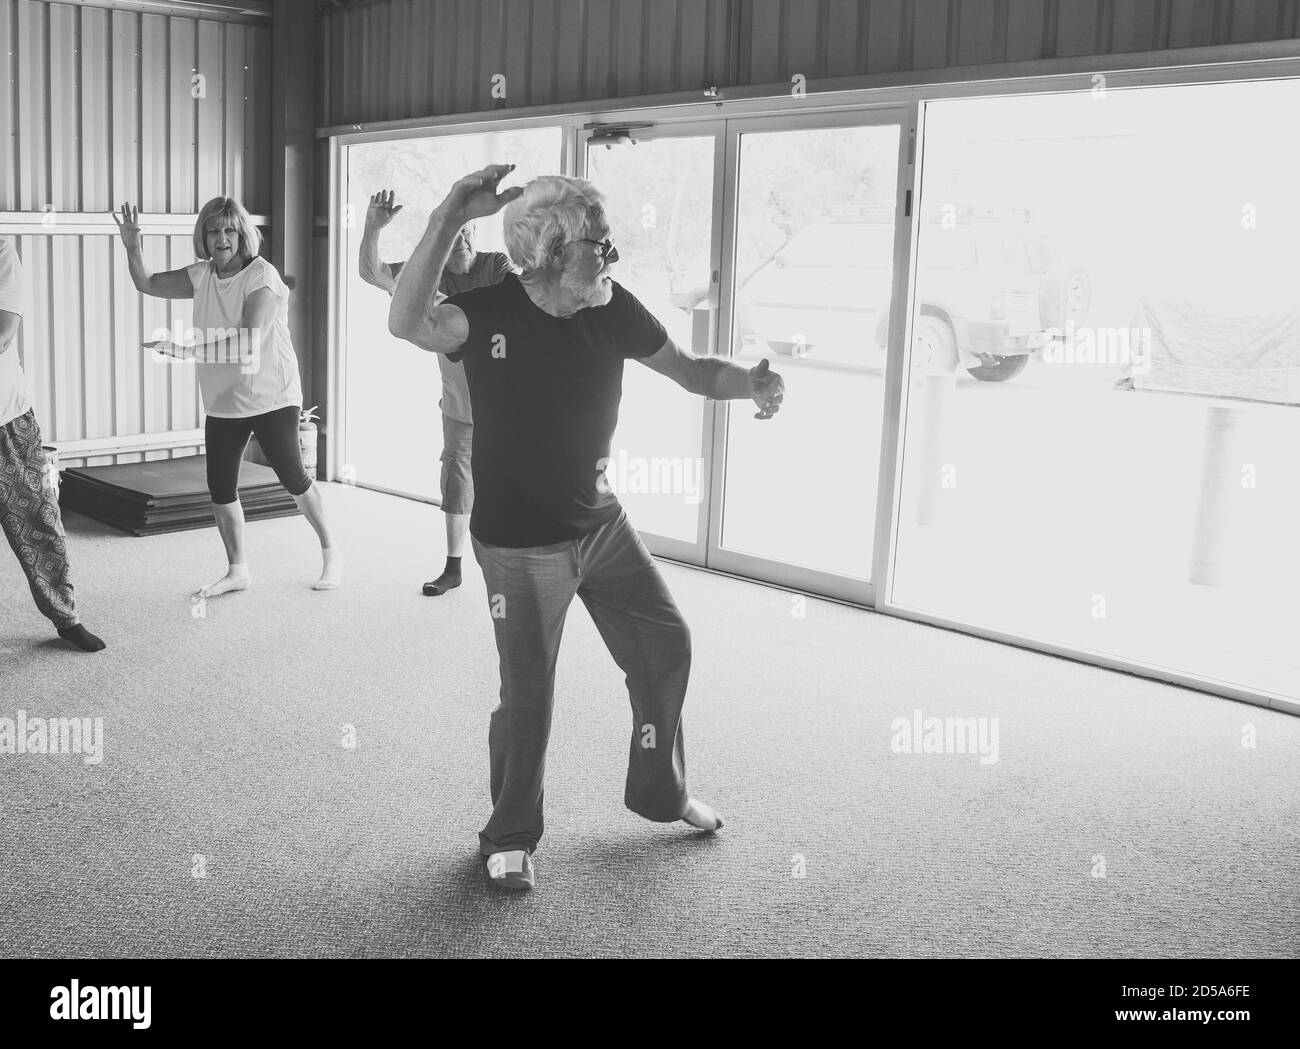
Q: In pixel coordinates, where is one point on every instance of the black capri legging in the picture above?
(277, 433)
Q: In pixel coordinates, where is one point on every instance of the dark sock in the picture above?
(449, 580)
(81, 637)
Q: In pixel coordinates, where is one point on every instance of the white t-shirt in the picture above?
(270, 380)
(14, 400)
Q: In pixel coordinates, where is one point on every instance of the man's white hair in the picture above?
(551, 211)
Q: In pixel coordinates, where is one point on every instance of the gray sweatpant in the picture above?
(529, 592)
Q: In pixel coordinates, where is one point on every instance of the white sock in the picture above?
(502, 863)
(331, 574)
(236, 578)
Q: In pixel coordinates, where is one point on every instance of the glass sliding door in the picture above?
(1089, 444)
(813, 247)
(392, 434)
(1108, 464)
(660, 198)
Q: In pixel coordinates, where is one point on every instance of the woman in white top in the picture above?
(247, 371)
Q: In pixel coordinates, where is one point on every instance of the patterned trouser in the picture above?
(29, 512)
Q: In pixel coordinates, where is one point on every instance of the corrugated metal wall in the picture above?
(81, 341)
(100, 108)
(384, 61)
(396, 59)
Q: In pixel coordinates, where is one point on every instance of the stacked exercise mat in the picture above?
(168, 495)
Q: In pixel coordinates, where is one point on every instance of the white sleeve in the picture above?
(13, 282)
(261, 274)
(197, 271)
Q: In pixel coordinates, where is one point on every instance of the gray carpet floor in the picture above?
(224, 741)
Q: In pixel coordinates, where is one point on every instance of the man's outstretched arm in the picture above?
(415, 314)
(719, 378)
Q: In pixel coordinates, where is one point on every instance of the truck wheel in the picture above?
(934, 347)
(998, 369)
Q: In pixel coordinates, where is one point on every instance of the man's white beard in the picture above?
(587, 295)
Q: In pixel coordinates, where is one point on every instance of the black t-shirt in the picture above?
(545, 392)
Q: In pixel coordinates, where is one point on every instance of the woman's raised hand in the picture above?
(127, 226)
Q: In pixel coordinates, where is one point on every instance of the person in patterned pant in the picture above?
(29, 504)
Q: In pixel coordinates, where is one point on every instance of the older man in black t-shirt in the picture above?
(543, 354)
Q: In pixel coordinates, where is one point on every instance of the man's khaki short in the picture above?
(457, 483)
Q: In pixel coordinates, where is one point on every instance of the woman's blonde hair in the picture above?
(223, 210)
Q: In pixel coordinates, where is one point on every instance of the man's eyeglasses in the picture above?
(608, 252)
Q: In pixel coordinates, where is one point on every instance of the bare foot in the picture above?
(237, 578)
(332, 571)
(701, 815)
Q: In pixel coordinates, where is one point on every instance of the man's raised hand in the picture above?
(382, 209)
(475, 196)
(128, 226)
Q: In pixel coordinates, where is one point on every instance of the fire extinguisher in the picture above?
(307, 419)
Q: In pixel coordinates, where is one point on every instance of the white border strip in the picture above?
(54, 223)
(128, 445)
(253, 12)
